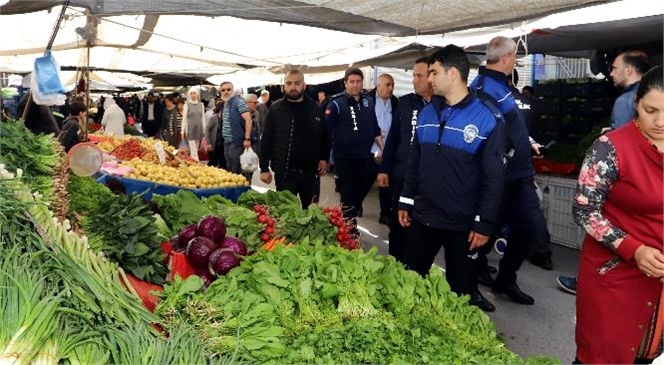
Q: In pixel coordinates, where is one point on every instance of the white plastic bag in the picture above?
(249, 160)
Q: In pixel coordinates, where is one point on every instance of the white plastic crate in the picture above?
(560, 221)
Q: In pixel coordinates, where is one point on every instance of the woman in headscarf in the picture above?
(193, 120)
(114, 118)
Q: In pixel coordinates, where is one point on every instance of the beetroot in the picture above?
(187, 234)
(234, 244)
(199, 250)
(222, 261)
(205, 275)
(212, 227)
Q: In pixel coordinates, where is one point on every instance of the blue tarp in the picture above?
(147, 188)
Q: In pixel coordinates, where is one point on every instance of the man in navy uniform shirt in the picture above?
(351, 118)
(454, 179)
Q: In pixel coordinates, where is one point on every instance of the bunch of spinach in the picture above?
(180, 209)
(125, 230)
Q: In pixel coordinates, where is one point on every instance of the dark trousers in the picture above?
(216, 157)
(460, 263)
(521, 212)
(304, 184)
(355, 177)
(398, 234)
(150, 128)
(232, 152)
(385, 199)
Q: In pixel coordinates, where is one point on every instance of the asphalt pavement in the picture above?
(545, 328)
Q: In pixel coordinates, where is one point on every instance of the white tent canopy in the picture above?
(236, 48)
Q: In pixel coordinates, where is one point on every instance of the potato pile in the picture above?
(192, 177)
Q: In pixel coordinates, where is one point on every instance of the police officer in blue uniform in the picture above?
(454, 179)
(397, 147)
(520, 209)
(351, 118)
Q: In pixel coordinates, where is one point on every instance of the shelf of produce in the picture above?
(148, 188)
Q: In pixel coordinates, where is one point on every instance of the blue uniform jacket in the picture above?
(455, 176)
(342, 116)
(494, 85)
(400, 137)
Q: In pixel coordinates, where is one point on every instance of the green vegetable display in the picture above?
(36, 155)
(321, 304)
(180, 209)
(124, 229)
(86, 194)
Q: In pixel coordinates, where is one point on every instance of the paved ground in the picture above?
(546, 328)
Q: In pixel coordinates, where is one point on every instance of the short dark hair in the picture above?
(651, 80)
(423, 59)
(76, 107)
(353, 71)
(529, 88)
(170, 97)
(638, 60)
(452, 56)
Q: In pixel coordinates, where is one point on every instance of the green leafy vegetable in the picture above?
(125, 230)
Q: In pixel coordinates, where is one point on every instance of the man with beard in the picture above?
(295, 143)
(236, 127)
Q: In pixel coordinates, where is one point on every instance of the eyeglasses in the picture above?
(225, 90)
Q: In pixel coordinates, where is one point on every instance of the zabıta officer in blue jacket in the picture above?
(454, 179)
(351, 118)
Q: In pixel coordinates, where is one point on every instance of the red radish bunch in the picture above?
(344, 233)
(265, 219)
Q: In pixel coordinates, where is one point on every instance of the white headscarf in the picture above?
(193, 89)
(109, 102)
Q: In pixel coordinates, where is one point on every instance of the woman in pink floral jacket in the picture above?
(620, 204)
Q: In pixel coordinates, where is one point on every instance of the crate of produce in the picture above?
(560, 221)
(548, 89)
(548, 106)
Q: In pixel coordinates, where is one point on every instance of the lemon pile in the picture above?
(192, 177)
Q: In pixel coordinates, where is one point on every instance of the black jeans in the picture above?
(398, 234)
(216, 157)
(521, 212)
(298, 182)
(355, 177)
(460, 263)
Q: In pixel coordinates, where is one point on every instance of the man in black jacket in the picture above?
(397, 146)
(295, 143)
(152, 116)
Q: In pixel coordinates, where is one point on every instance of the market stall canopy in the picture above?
(379, 17)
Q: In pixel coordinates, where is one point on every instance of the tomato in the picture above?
(342, 230)
(270, 222)
(257, 208)
(269, 230)
(265, 237)
(262, 219)
(340, 238)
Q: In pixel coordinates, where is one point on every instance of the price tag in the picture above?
(161, 154)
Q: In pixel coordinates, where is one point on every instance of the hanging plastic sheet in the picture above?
(47, 89)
